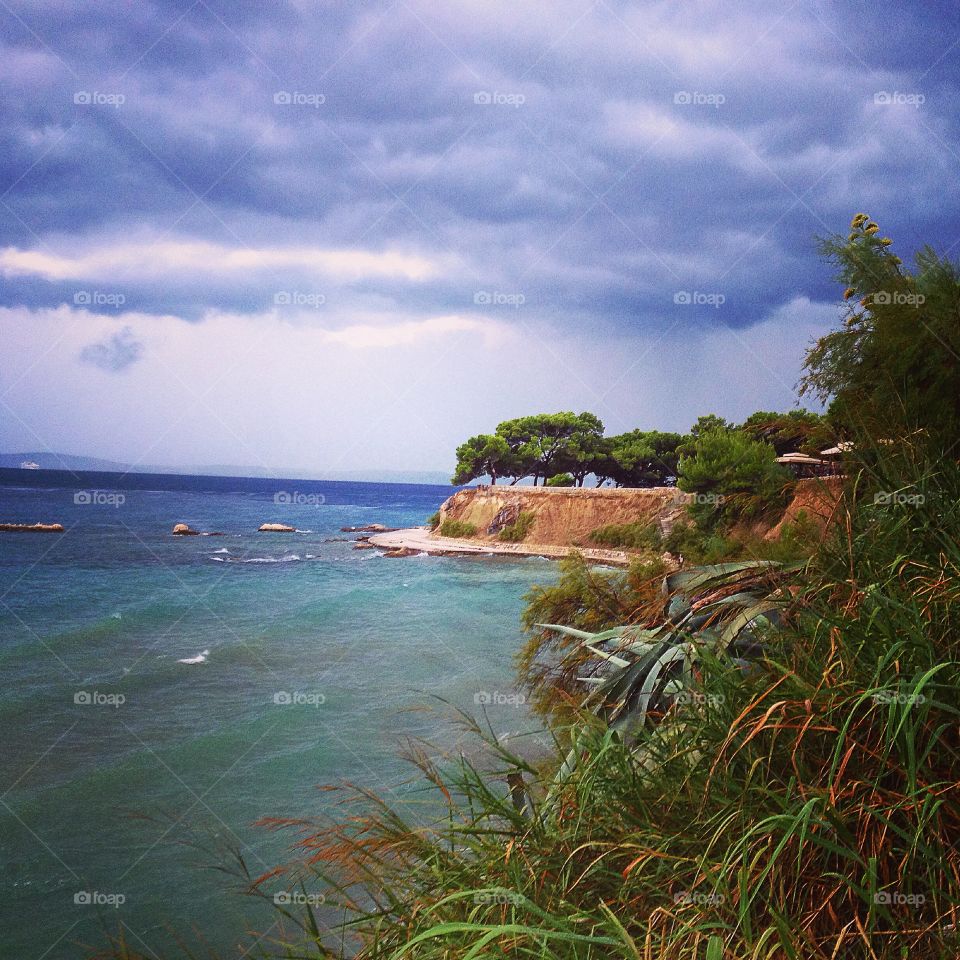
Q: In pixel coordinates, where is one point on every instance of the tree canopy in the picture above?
(894, 365)
(572, 446)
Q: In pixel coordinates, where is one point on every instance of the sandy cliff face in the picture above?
(816, 498)
(564, 516)
(567, 516)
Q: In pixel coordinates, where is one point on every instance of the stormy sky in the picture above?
(337, 235)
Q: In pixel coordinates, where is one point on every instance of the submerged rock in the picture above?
(32, 527)
(369, 528)
(275, 528)
(402, 552)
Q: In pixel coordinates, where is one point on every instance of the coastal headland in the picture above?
(562, 519)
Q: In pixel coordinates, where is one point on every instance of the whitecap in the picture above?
(199, 658)
(222, 550)
(287, 558)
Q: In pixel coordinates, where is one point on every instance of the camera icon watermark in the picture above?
(898, 298)
(698, 298)
(897, 899)
(698, 99)
(97, 298)
(293, 498)
(94, 698)
(898, 498)
(486, 298)
(896, 696)
(297, 298)
(95, 98)
(297, 99)
(498, 898)
(496, 98)
(98, 498)
(693, 896)
(696, 698)
(886, 98)
(298, 698)
(94, 898)
(496, 698)
(296, 898)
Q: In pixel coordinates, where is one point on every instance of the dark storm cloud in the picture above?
(599, 159)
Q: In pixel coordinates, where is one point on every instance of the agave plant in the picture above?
(721, 611)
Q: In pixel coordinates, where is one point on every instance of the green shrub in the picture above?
(584, 596)
(457, 528)
(732, 477)
(697, 545)
(561, 480)
(635, 536)
(518, 530)
(433, 521)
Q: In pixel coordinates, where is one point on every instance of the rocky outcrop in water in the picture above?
(184, 530)
(275, 528)
(31, 527)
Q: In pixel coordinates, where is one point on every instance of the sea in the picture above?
(162, 694)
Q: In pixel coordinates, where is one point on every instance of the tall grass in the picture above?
(807, 809)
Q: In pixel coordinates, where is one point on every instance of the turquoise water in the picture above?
(115, 751)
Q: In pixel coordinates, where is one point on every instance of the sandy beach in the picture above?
(420, 538)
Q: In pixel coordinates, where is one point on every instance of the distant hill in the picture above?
(60, 461)
(67, 461)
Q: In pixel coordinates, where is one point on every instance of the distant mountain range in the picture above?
(48, 460)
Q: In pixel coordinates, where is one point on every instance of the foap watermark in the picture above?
(498, 99)
(893, 898)
(898, 298)
(698, 298)
(705, 499)
(297, 298)
(94, 698)
(694, 896)
(494, 298)
(897, 696)
(295, 898)
(298, 698)
(696, 698)
(898, 498)
(297, 99)
(95, 898)
(97, 298)
(98, 498)
(498, 898)
(898, 98)
(293, 498)
(96, 98)
(485, 697)
(697, 99)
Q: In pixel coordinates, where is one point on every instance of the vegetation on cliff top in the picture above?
(564, 449)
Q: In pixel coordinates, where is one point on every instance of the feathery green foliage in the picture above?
(517, 531)
(457, 528)
(636, 536)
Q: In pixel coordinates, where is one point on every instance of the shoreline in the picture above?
(423, 541)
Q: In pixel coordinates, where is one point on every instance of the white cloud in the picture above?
(186, 258)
